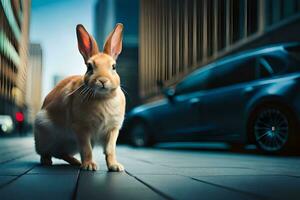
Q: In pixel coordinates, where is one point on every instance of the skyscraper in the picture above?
(107, 14)
(14, 31)
(34, 81)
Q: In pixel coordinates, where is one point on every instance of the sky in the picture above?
(53, 24)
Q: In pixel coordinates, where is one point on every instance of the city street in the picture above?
(161, 71)
(155, 173)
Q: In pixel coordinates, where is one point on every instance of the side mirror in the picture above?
(169, 93)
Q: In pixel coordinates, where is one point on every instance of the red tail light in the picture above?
(19, 117)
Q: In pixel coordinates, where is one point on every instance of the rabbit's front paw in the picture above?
(116, 167)
(89, 165)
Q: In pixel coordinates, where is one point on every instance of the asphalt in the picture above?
(151, 173)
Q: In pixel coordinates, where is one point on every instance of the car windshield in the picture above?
(194, 82)
(294, 51)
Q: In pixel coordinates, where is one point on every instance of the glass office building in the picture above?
(107, 14)
(179, 36)
(34, 80)
(14, 31)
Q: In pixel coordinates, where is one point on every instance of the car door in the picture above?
(227, 92)
(181, 119)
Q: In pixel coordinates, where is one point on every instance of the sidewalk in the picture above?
(150, 174)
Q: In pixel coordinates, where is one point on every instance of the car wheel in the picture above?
(139, 135)
(272, 128)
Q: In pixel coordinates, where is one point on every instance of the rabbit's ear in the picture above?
(86, 43)
(113, 44)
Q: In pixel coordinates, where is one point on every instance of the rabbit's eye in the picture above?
(89, 67)
(114, 66)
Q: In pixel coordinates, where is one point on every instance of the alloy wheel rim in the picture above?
(271, 129)
(139, 136)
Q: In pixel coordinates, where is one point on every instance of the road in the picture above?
(154, 173)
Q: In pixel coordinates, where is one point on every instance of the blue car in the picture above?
(251, 97)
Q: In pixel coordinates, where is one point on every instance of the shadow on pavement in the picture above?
(222, 147)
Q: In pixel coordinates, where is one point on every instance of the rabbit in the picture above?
(83, 110)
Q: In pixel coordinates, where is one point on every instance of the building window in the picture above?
(221, 24)
(276, 11)
(175, 32)
(235, 18)
(190, 13)
(210, 27)
(200, 25)
(288, 8)
(268, 12)
(252, 16)
(242, 13)
(181, 36)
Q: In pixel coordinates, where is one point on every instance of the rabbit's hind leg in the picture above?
(46, 160)
(44, 137)
(71, 160)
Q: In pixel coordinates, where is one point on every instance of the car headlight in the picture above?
(4, 128)
(8, 122)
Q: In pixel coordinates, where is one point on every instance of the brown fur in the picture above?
(82, 110)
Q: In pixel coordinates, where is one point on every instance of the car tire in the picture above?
(139, 134)
(273, 129)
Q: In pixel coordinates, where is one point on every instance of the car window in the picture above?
(293, 58)
(264, 69)
(294, 51)
(277, 64)
(195, 82)
(221, 75)
(239, 71)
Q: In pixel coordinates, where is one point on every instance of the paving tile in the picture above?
(140, 167)
(16, 144)
(218, 171)
(291, 169)
(112, 185)
(193, 163)
(179, 187)
(7, 150)
(181, 159)
(40, 187)
(55, 169)
(18, 166)
(14, 155)
(273, 187)
(5, 179)
(177, 174)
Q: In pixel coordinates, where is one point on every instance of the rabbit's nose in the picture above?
(102, 81)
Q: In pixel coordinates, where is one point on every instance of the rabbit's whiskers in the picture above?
(86, 93)
(122, 88)
(90, 94)
(79, 88)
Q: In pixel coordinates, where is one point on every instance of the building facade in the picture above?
(179, 36)
(14, 31)
(107, 14)
(34, 81)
